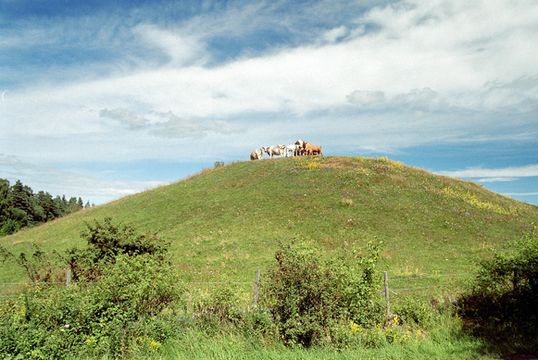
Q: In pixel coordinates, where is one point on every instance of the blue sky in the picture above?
(101, 99)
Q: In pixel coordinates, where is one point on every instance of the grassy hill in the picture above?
(225, 223)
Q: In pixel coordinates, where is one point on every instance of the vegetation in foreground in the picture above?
(501, 306)
(123, 284)
(127, 301)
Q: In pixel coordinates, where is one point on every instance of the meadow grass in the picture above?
(225, 223)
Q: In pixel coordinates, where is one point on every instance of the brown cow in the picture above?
(312, 149)
(257, 154)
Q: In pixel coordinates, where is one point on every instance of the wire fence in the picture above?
(401, 285)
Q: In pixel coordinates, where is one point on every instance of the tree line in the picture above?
(20, 207)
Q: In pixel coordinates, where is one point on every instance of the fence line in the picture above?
(417, 288)
(432, 275)
(404, 290)
(31, 283)
(218, 282)
(256, 281)
(394, 277)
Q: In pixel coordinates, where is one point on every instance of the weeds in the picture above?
(501, 305)
(474, 201)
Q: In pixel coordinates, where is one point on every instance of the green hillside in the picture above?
(225, 223)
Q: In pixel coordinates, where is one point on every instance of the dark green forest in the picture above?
(20, 207)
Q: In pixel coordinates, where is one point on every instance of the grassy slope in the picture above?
(225, 223)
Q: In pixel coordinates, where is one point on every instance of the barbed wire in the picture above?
(396, 280)
(29, 282)
(393, 276)
(220, 282)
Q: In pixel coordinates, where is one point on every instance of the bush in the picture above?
(501, 305)
(309, 297)
(259, 323)
(223, 311)
(130, 304)
(38, 265)
(9, 227)
(220, 309)
(103, 317)
(129, 299)
(106, 241)
(413, 312)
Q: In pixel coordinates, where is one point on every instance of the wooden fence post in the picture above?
(256, 289)
(386, 278)
(68, 275)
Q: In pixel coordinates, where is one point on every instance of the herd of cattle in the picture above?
(299, 148)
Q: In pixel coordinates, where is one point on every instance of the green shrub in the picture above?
(309, 296)
(131, 304)
(259, 323)
(137, 286)
(106, 241)
(414, 312)
(220, 309)
(9, 226)
(501, 306)
(38, 265)
(129, 300)
(102, 317)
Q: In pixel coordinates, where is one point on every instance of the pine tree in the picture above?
(58, 207)
(72, 205)
(46, 202)
(20, 207)
(4, 200)
(20, 204)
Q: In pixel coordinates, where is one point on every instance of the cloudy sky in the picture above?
(105, 98)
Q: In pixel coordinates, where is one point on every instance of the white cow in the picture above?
(293, 149)
(278, 150)
(300, 149)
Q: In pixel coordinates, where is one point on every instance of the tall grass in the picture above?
(443, 343)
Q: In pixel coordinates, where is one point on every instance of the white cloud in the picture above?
(427, 72)
(59, 182)
(421, 61)
(167, 124)
(496, 179)
(182, 49)
(424, 99)
(419, 98)
(366, 98)
(485, 173)
(518, 95)
(335, 34)
(126, 117)
(532, 193)
(176, 127)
